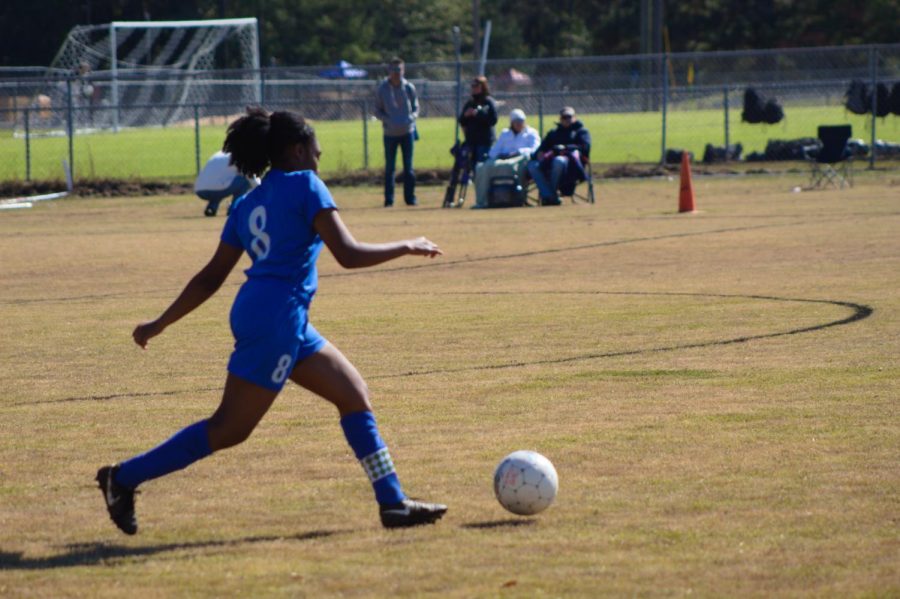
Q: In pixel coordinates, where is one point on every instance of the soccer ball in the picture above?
(525, 483)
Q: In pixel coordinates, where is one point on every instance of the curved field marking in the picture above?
(859, 312)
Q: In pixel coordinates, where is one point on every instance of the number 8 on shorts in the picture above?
(281, 371)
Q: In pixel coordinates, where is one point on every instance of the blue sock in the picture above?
(362, 435)
(184, 448)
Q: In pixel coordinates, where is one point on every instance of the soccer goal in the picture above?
(153, 73)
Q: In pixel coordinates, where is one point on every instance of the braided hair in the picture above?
(258, 138)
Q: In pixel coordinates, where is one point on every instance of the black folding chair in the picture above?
(533, 199)
(831, 164)
(587, 197)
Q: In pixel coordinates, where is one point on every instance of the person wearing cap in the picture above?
(397, 107)
(508, 157)
(553, 169)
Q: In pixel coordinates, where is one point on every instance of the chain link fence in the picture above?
(636, 107)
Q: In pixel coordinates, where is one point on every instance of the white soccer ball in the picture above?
(525, 482)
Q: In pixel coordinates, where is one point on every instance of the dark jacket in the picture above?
(479, 129)
(574, 135)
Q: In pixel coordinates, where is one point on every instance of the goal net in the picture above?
(153, 73)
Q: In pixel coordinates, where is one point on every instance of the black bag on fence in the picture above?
(773, 112)
(894, 99)
(883, 107)
(858, 100)
(757, 110)
(753, 107)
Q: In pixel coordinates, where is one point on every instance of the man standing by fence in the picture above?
(397, 107)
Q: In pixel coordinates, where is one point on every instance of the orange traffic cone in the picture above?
(686, 193)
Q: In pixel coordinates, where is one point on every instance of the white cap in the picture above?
(517, 114)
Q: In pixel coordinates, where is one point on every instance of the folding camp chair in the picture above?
(832, 163)
(533, 198)
(588, 196)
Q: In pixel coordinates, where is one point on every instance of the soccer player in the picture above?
(282, 225)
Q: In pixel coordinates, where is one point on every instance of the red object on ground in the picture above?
(686, 193)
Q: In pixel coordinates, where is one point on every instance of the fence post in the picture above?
(541, 114)
(197, 136)
(27, 144)
(873, 70)
(70, 126)
(665, 104)
(262, 87)
(727, 131)
(365, 119)
(114, 74)
(458, 101)
(456, 49)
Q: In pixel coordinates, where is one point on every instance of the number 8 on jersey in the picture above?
(261, 243)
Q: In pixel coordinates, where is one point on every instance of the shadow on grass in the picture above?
(508, 523)
(90, 554)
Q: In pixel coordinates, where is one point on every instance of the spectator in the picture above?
(397, 107)
(508, 157)
(478, 117)
(220, 179)
(554, 157)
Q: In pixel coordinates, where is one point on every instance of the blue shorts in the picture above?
(272, 333)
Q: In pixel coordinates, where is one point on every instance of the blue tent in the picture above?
(343, 70)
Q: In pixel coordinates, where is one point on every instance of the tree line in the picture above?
(318, 32)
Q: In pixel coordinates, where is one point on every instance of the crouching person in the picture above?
(220, 179)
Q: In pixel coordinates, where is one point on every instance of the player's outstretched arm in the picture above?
(200, 288)
(354, 254)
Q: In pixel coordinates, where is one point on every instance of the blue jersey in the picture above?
(270, 315)
(274, 224)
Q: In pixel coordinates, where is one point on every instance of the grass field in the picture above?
(718, 392)
(169, 154)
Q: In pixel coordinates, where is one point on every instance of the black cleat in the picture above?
(119, 500)
(411, 513)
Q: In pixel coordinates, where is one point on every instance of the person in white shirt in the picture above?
(220, 179)
(508, 156)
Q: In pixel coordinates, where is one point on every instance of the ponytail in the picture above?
(258, 139)
(246, 142)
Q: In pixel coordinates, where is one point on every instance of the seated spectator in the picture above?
(508, 157)
(220, 179)
(558, 162)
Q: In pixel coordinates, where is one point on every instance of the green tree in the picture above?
(315, 32)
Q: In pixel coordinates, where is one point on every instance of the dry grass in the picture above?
(706, 443)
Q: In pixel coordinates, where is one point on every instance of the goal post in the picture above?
(247, 27)
(145, 73)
